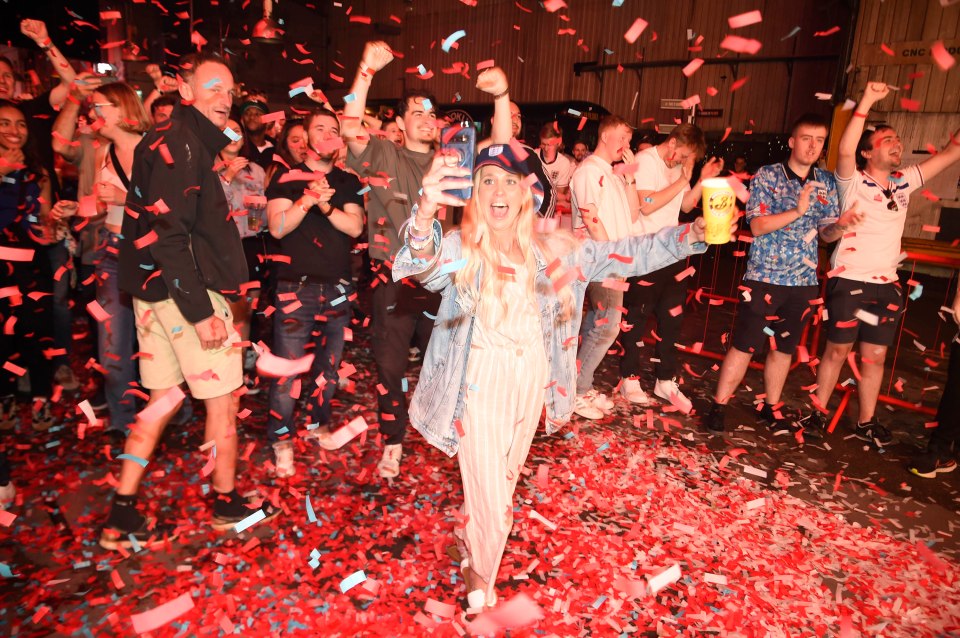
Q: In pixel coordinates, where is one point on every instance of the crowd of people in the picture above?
(212, 242)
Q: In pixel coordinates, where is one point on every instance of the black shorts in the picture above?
(254, 249)
(882, 303)
(780, 310)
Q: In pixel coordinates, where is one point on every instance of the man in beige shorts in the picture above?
(180, 259)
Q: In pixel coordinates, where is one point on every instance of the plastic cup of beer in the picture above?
(719, 207)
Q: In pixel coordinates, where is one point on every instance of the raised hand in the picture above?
(492, 81)
(876, 91)
(377, 55)
(442, 175)
(36, 30)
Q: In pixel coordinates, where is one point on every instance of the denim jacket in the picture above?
(438, 400)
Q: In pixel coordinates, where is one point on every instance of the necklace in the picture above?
(887, 192)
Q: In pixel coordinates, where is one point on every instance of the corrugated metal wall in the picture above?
(537, 49)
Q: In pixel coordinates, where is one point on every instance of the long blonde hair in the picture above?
(483, 263)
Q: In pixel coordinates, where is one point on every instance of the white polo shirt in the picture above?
(594, 183)
(872, 252)
(560, 170)
(654, 175)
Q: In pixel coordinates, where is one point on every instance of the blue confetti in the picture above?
(916, 292)
(453, 37)
(136, 459)
(453, 266)
(427, 104)
(311, 515)
(249, 521)
(767, 330)
(599, 601)
(404, 384)
(422, 70)
(233, 135)
(349, 97)
(352, 581)
(618, 3)
(211, 83)
(339, 300)
(5, 571)
(298, 91)
(429, 316)
(365, 189)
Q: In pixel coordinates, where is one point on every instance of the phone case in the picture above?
(461, 143)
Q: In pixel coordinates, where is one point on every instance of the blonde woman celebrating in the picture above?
(505, 340)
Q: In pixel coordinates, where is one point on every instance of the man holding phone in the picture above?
(398, 313)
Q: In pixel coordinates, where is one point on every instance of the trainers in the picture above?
(283, 459)
(8, 412)
(145, 533)
(873, 431)
(251, 384)
(631, 391)
(8, 492)
(42, 415)
(668, 390)
(230, 509)
(584, 406)
(814, 424)
(714, 419)
(930, 463)
(389, 465)
(778, 424)
(65, 377)
(602, 401)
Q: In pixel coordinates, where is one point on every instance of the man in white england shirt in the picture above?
(864, 297)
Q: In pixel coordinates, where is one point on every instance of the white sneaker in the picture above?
(7, 493)
(283, 459)
(602, 401)
(668, 390)
(631, 391)
(585, 407)
(389, 465)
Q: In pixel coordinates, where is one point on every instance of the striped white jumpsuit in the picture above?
(506, 374)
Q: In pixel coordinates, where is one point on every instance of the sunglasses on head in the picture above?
(892, 204)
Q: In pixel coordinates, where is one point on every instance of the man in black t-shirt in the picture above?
(315, 210)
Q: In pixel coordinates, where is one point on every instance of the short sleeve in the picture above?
(647, 171)
(762, 188)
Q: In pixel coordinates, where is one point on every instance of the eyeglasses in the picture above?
(98, 105)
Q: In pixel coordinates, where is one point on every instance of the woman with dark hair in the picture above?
(504, 343)
(122, 120)
(291, 146)
(27, 314)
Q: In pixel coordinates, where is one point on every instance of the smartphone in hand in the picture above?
(459, 146)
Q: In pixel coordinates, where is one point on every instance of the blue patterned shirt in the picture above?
(788, 256)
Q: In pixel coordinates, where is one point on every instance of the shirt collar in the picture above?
(211, 137)
(791, 175)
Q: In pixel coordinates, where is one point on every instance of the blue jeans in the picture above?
(117, 337)
(59, 256)
(319, 322)
(597, 335)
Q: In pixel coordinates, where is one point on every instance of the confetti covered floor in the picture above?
(741, 534)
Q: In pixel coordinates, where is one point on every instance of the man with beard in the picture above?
(864, 297)
(314, 209)
(257, 146)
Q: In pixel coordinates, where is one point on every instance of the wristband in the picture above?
(47, 44)
(859, 114)
(500, 95)
(365, 68)
(328, 212)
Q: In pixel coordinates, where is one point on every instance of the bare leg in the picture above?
(222, 428)
(732, 371)
(775, 373)
(834, 356)
(141, 443)
(872, 358)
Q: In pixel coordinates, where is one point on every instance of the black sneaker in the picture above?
(145, 534)
(930, 463)
(814, 424)
(42, 415)
(778, 424)
(8, 412)
(874, 432)
(714, 419)
(230, 509)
